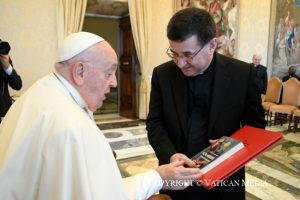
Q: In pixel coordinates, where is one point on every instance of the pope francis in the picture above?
(50, 147)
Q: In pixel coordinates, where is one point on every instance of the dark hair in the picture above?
(191, 21)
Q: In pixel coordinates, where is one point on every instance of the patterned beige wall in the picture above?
(29, 27)
(162, 12)
(254, 18)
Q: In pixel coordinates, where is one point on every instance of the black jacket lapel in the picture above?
(220, 87)
(180, 96)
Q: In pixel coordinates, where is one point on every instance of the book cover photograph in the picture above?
(217, 152)
(255, 142)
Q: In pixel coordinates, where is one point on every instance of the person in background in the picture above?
(262, 76)
(51, 147)
(8, 77)
(291, 73)
(200, 95)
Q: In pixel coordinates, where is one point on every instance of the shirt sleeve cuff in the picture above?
(142, 186)
(9, 70)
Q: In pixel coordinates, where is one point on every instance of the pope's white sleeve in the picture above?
(142, 186)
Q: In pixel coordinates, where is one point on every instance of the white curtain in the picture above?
(70, 16)
(140, 17)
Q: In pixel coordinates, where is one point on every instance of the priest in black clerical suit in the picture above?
(185, 112)
(261, 72)
(198, 96)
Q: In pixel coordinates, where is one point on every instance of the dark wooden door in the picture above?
(128, 65)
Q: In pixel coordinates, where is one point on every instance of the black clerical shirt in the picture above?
(200, 91)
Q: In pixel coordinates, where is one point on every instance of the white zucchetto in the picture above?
(76, 43)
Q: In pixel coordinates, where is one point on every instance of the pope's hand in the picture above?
(177, 177)
(181, 157)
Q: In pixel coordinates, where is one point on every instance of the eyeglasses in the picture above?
(186, 56)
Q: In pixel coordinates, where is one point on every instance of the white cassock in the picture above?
(50, 149)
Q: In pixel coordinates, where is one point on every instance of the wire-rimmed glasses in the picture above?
(186, 56)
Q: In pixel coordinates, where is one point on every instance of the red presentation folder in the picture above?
(255, 141)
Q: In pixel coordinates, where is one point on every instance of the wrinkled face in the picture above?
(256, 60)
(101, 76)
(190, 58)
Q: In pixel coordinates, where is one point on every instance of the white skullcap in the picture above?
(75, 43)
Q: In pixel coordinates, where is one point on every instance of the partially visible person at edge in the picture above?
(51, 147)
(8, 77)
(197, 96)
(261, 71)
(291, 73)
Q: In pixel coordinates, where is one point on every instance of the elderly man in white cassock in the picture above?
(50, 147)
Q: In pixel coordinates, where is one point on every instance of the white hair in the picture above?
(257, 55)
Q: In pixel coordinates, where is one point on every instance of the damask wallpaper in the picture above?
(253, 32)
(30, 28)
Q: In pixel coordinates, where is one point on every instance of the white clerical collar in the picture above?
(74, 94)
